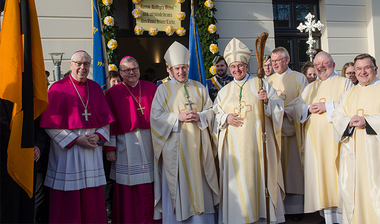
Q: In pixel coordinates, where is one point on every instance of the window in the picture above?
(287, 15)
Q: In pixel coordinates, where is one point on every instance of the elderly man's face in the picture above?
(221, 68)
(365, 71)
(130, 72)
(324, 66)
(279, 62)
(80, 67)
(238, 70)
(180, 72)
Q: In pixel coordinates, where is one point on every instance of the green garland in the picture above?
(205, 17)
(109, 31)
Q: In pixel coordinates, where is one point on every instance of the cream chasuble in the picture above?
(359, 155)
(318, 151)
(240, 153)
(185, 153)
(289, 86)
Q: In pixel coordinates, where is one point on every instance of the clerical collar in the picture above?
(133, 86)
(78, 82)
(174, 80)
(243, 80)
(335, 73)
(286, 72)
(375, 81)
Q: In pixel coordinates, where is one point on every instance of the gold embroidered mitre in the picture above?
(177, 54)
(236, 51)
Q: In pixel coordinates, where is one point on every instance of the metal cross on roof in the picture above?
(310, 26)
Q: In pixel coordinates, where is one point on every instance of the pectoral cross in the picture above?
(86, 114)
(243, 109)
(189, 103)
(239, 108)
(141, 109)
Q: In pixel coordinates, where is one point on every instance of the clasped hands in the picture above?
(189, 116)
(357, 121)
(88, 141)
(317, 108)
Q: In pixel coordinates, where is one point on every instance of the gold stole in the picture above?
(245, 147)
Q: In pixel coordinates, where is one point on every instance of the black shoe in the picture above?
(296, 217)
(109, 214)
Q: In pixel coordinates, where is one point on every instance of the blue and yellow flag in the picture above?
(100, 65)
(196, 66)
(23, 82)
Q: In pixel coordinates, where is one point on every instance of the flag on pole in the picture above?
(100, 65)
(196, 66)
(23, 82)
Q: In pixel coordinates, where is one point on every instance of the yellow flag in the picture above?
(23, 82)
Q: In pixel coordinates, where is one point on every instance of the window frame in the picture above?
(292, 34)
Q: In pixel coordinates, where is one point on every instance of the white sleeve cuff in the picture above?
(329, 109)
(111, 142)
(175, 127)
(267, 109)
(223, 121)
(62, 137)
(202, 124)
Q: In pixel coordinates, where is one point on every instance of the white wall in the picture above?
(65, 26)
(245, 20)
(350, 29)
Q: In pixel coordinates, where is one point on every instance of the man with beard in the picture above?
(220, 79)
(289, 85)
(312, 111)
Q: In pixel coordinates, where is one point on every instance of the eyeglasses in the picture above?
(276, 61)
(366, 68)
(129, 70)
(239, 66)
(86, 64)
(350, 73)
(321, 64)
(267, 66)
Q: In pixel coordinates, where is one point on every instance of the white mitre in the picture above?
(177, 54)
(236, 51)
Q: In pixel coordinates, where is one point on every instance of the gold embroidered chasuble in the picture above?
(318, 151)
(187, 155)
(359, 155)
(241, 155)
(289, 86)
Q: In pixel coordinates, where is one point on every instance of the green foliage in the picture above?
(205, 17)
(109, 31)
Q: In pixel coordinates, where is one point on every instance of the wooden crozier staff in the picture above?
(260, 46)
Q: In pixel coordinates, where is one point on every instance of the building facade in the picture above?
(349, 29)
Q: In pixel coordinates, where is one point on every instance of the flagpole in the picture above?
(260, 46)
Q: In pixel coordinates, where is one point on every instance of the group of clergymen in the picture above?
(179, 157)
